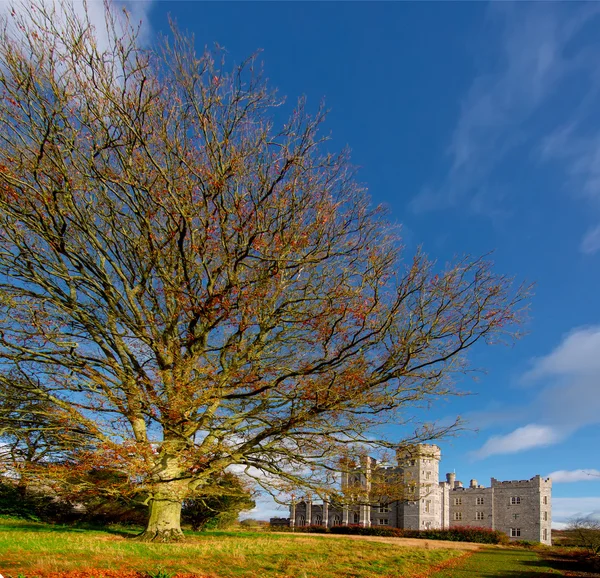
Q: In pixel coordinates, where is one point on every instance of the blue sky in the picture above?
(478, 126)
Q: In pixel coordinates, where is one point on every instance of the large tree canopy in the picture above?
(197, 285)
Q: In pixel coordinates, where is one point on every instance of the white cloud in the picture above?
(568, 397)
(523, 438)
(577, 355)
(138, 11)
(566, 476)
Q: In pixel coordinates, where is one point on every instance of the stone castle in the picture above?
(521, 509)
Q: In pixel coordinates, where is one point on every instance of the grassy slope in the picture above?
(504, 563)
(31, 549)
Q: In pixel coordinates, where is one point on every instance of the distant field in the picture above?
(35, 549)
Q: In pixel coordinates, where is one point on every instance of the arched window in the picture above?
(337, 521)
(356, 518)
(318, 520)
(301, 521)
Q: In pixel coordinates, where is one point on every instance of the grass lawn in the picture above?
(500, 562)
(34, 549)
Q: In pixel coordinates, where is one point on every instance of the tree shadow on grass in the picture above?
(578, 563)
(39, 527)
(504, 563)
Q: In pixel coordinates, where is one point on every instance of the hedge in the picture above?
(454, 534)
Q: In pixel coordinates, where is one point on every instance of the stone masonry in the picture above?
(522, 509)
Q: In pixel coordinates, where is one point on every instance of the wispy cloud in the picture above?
(523, 438)
(568, 476)
(533, 58)
(590, 243)
(579, 154)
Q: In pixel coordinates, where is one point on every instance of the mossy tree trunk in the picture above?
(164, 522)
(168, 493)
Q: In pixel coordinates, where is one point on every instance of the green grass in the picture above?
(501, 562)
(31, 548)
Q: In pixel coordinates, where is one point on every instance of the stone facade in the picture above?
(521, 509)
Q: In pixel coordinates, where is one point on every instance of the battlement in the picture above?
(520, 508)
(426, 451)
(536, 481)
(467, 489)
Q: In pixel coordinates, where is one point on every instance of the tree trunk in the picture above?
(164, 524)
(167, 494)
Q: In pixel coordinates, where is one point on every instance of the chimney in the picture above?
(450, 479)
(473, 484)
(458, 484)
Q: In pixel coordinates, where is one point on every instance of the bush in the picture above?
(357, 530)
(526, 543)
(18, 502)
(461, 534)
(455, 534)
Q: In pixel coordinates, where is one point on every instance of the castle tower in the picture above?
(356, 486)
(523, 509)
(422, 508)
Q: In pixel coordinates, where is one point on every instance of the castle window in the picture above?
(356, 518)
(318, 520)
(458, 515)
(337, 521)
(515, 500)
(479, 501)
(515, 516)
(545, 516)
(479, 515)
(383, 508)
(428, 506)
(458, 501)
(301, 521)
(515, 532)
(383, 522)
(544, 534)
(427, 475)
(545, 500)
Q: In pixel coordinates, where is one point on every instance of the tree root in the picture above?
(161, 536)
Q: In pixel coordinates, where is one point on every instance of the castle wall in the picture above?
(521, 509)
(471, 507)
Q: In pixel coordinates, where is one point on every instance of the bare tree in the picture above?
(586, 533)
(197, 288)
